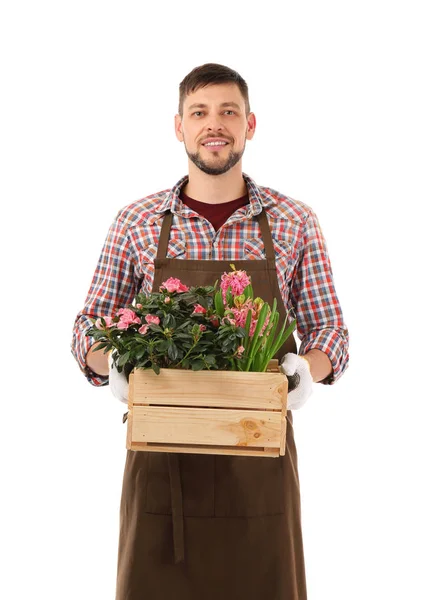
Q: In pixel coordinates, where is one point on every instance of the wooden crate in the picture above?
(208, 412)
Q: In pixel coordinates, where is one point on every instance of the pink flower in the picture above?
(108, 321)
(139, 306)
(199, 309)
(126, 314)
(167, 300)
(128, 317)
(143, 329)
(172, 284)
(215, 320)
(203, 327)
(152, 319)
(236, 280)
(240, 314)
(239, 351)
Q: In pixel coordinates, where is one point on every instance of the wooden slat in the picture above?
(234, 389)
(178, 425)
(198, 449)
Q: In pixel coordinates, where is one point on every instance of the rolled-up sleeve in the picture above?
(320, 322)
(113, 286)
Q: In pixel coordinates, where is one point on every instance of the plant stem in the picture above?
(188, 353)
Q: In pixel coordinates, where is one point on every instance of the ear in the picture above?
(251, 126)
(178, 127)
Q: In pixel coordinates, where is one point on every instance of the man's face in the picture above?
(215, 115)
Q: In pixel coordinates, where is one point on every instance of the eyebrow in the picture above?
(223, 104)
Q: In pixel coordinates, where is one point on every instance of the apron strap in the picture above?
(164, 235)
(176, 507)
(266, 235)
(261, 218)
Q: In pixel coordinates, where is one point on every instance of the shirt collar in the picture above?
(258, 199)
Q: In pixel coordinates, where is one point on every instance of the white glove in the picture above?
(118, 383)
(297, 367)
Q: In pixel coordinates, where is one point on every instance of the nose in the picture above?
(214, 122)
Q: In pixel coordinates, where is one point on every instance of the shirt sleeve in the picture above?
(320, 323)
(113, 286)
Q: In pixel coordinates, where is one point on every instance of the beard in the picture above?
(220, 168)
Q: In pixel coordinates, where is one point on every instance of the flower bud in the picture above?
(239, 300)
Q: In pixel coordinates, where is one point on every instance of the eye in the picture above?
(197, 112)
(230, 111)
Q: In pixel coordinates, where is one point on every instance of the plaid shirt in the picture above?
(126, 266)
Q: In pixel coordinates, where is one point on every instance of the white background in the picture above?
(344, 98)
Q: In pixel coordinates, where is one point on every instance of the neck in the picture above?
(215, 189)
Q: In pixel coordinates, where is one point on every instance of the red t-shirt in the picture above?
(216, 214)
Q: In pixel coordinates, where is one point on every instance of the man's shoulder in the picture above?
(140, 212)
(283, 206)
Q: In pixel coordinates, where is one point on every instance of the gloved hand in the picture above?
(300, 380)
(118, 383)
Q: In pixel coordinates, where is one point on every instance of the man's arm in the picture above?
(320, 323)
(98, 361)
(319, 364)
(113, 286)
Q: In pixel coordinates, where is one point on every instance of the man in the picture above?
(203, 526)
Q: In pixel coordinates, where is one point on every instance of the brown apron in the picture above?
(212, 527)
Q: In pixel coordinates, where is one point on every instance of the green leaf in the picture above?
(99, 347)
(259, 325)
(123, 359)
(172, 351)
(229, 298)
(274, 320)
(155, 368)
(246, 343)
(219, 304)
(248, 291)
(197, 365)
(283, 336)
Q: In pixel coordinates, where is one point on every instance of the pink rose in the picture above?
(172, 284)
(128, 317)
(152, 319)
(143, 329)
(203, 327)
(126, 314)
(199, 309)
(167, 300)
(139, 306)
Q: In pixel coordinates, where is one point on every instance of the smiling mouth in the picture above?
(215, 146)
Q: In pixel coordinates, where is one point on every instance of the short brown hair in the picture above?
(209, 74)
